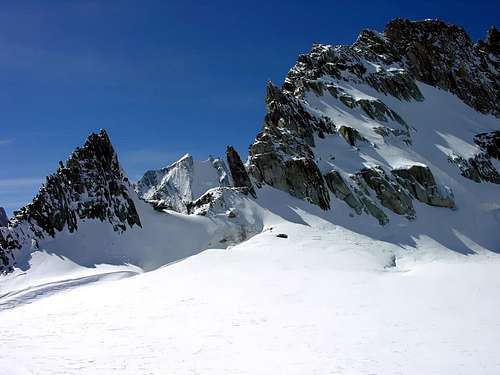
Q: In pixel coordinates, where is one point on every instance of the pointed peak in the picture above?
(492, 40)
(97, 143)
(185, 157)
(4, 220)
(272, 92)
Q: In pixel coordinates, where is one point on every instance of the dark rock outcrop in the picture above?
(346, 62)
(338, 186)
(238, 171)
(491, 44)
(281, 155)
(430, 51)
(90, 185)
(489, 143)
(354, 196)
(390, 194)
(443, 55)
(420, 182)
(4, 220)
(478, 168)
(351, 135)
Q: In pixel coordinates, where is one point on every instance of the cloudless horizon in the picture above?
(164, 78)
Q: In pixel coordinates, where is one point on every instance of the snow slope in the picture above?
(324, 300)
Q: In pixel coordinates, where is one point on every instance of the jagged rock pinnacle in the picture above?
(238, 171)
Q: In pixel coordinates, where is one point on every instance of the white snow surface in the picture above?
(325, 300)
(340, 295)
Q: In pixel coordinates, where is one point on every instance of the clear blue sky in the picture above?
(163, 77)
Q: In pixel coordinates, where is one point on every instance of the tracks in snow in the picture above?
(31, 294)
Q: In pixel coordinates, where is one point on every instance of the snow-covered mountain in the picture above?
(179, 184)
(375, 173)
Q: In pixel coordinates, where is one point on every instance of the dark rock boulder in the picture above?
(238, 171)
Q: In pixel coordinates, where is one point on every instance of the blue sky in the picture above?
(163, 77)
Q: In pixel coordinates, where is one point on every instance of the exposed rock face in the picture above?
(492, 42)
(355, 196)
(4, 220)
(351, 135)
(346, 63)
(388, 192)
(90, 185)
(281, 155)
(238, 171)
(443, 55)
(420, 182)
(338, 186)
(431, 51)
(478, 168)
(175, 186)
(489, 143)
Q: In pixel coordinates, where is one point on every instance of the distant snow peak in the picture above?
(182, 182)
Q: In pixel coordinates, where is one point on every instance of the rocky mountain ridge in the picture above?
(90, 185)
(344, 129)
(393, 63)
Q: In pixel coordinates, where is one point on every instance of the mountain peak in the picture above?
(89, 186)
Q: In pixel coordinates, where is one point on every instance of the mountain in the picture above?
(343, 121)
(179, 184)
(395, 122)
(90, 185)
(365, 214)
(89, 212)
